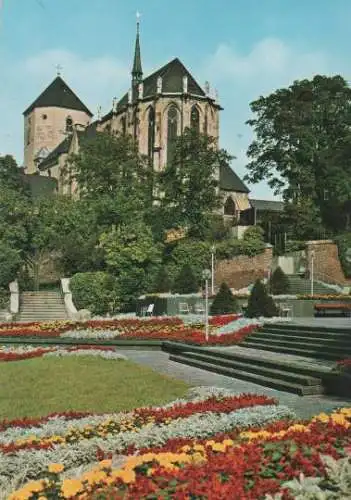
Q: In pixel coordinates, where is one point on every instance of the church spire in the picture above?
(137, 71)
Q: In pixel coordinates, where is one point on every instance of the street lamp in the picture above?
(206, 275)
(312, 271)
(213, 251)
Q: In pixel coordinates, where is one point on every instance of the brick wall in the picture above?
(241, 271)
(327, 265)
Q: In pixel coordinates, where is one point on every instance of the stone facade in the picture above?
(241, 271)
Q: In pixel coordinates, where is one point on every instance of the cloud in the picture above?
(269, 64)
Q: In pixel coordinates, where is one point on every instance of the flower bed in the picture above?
(174, 329)
(27, 352)
(30, 447)
(244, 464)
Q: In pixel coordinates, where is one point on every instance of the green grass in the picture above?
(39, 386)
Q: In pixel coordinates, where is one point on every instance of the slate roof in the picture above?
(230, 181)
(58, 94)
(268, 205)
(52, 157)
(172, 83)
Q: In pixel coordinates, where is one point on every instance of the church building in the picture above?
(155, 111)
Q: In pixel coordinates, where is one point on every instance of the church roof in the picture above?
(268, 205)
(230, 181)
(58, 94)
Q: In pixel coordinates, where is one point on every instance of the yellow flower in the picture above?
(71, 487)
(55, 468)
(198, 458)
(127, 476)
(105, 464)
(186, 448)
(210, 443)
(298, 428)
(94, 476)
(228, 442)
(218, 447)
(345, 411)
(198, 447)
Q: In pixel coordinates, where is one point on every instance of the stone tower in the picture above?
(49, 120)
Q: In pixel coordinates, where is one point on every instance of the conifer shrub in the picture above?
(162, 282)
(185, 281)
(224, 302)
(260, 303)
(279, 282)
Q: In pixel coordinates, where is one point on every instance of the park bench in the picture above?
(343, 308)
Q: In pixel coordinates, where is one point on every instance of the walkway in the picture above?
(305, 407)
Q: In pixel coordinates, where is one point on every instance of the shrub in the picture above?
(185, 282)
(94, 291)
(279, 282)
(224, 302)
(344, 244)
(189, 251)
(252, 244)
(260, 303)
(10, 262)
(162, 282)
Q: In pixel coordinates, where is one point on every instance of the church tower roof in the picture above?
(137, 71)
(58, 94)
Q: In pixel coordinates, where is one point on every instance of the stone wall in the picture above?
(241, 271)
(327, 266)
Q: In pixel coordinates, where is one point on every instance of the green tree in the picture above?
(303, 143)
(162, 282)
(224, 302)
(11, 175)
(10, 262)
(260, 303)
(185, 282)
(188, 251)
(189, 182)
(132, 256)
(279, 282)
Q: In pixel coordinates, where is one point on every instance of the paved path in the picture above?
(305, 407)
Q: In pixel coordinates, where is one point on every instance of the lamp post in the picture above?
(206, 275)
(312, 271)
(213, 251)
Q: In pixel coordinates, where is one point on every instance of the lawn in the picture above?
(36, 387)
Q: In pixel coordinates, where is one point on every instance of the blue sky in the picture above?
(244, 48)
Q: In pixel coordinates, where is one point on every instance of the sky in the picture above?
(244, 48)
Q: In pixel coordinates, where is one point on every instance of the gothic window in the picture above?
(195, 119)
(172, 131)
(69, 124)
(28, 131)
(229, 206)
(151, 133)
(206, 124)
(123, 125)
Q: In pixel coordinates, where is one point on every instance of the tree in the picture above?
(189, 251)
(303, 143)
(162, 282)
(185, 282)
(279, 282)
(10, 262)
(260, 303)
(11, 175)
(224, 302)
(189, 181)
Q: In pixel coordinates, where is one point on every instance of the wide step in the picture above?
(309, 353)
(250, 377)
(42, 306)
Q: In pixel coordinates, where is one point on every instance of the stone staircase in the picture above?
(324, 343)
(41, 306)
(302, 286)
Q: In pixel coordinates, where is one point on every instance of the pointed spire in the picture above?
(137, 71)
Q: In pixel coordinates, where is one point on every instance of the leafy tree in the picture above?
(95, 291)
(131, 255)
(162, 283)
(189, 182)
(10, 262)
(303, 143)
(11, 175)
(186, 281)
(260, 303)
(224, 302)
(279, 282)
(189, 251)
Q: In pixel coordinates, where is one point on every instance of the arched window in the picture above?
(151, 133)
(69, 124)
(206, 124)
(172, 131)
(123, 125)
(195, 119)
(229, 206)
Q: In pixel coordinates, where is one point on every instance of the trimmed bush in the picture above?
(279, 282)
(94, 291)
(163, 282)
(224, 302)
(260, 303)
(185, 282)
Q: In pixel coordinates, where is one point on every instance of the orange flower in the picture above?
(55, 468)
(71, 487)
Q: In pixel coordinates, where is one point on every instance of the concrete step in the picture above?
(308, 334)
(251, 377)
(320, 343)
(250, 367)
(308, 352)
